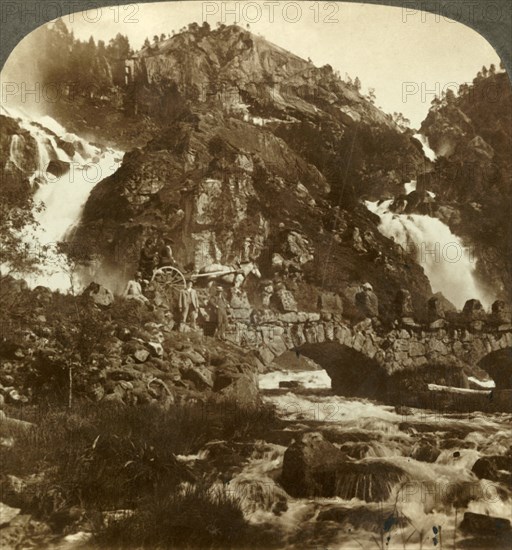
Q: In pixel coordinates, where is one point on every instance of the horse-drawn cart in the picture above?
(171, 280)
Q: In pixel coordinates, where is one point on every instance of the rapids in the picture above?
(434, 498)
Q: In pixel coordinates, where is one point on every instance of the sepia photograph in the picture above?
(255, 276)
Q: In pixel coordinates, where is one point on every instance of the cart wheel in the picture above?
(169, 279)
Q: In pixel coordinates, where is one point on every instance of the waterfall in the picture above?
(410, 186)
(62, 196)
(16, 150)
(448, 264)
(427, 151)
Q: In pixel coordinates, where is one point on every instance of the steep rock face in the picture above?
(256, 137)
(324, 119)
(212, 181)
(207, 183)
(245, 71)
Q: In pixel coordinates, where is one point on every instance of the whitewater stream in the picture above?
(429, 504)
(62, 196)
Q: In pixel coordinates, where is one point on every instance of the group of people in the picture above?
(189, 304)
(155, 253)
(217, 308)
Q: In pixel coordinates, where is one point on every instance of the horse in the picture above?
(241, 271)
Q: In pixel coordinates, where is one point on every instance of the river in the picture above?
(421, 512)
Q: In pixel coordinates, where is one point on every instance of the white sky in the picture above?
(388, 48)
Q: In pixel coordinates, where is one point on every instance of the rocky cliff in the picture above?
(259, 146)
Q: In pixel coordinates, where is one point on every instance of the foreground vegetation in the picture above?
(118, 471)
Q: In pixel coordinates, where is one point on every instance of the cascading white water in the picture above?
(63, 196)
(427, 150)
(16, 150)
(410, 186)
(448, 264)
(432, 496)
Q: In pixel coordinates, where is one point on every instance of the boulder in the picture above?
(58, 168)
(494, 468)
(285, 300)
(370, 480)
(500, 314)
(141, 355)
(367, 303)
(199, 375)
(484, 525)
(435, 309)
(424, 451)
(309, 466)
(100, 295)
(243, 389)
(7, 514)
(156, 349)
(22, 532)
(194, 356)
(66, 146)
(473, 311)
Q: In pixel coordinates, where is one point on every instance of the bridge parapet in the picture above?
(402, 347)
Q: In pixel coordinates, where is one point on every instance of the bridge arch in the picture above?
(498, 365)
(368, 363)
(352, 373)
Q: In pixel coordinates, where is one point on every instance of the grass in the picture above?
(192, 517)
(105, 456)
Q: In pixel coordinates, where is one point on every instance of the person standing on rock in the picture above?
(367, 301)
(166, 256)
(246, 250)
(189, 303)
(148, 258)
(220, 306)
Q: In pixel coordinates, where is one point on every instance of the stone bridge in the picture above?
(401, 348)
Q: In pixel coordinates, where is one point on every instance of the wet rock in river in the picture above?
(424, 451)
(359, 517)
(309, 466)
(370, 480)
(487, 527)
(494, 468)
